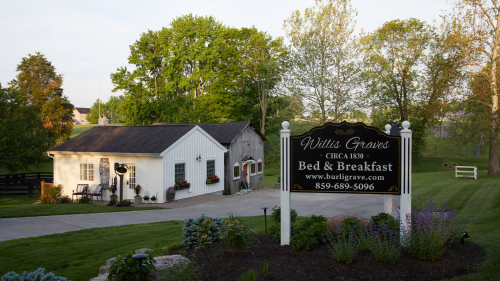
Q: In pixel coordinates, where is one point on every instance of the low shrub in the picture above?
(344, 246)
(310, 232)
(84, 199)
(387, 220)
(385, 243)
(51, 195)
(127, 268)
(349, 227)
(201, 233)
(182, 271)
(276, 215)
(249, 275)
(429, 233)
(65, 199)
(36, 275)
(235, 235)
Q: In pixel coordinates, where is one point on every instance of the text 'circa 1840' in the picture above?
(346, 158)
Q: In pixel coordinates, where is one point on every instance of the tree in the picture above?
(475, 24)
(325, 60)
(410, 72)
(23, 141)
(40, 87)
(197, 70)
(265, 58)
(112, 109)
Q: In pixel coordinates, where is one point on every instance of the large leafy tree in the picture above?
(325, 59)
(196, 70)
(23, 141)
(411, 71)
(475, 24)
(40, 86)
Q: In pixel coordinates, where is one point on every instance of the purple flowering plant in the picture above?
(428, 232)
(344, 244)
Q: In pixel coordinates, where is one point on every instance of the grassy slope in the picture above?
(478, 198)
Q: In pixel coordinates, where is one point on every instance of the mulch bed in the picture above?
(319, 264)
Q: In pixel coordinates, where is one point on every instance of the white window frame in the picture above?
(214, 167)
(175, 178)
(88, 169)
(250, 164)
(261, 166)
(239, 171)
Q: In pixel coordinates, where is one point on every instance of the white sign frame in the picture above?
(406, 168)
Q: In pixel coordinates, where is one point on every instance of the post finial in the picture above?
(406, 125)
(285, 125)
(388, 127)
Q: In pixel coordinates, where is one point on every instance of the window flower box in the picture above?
(181, 185)
(213, 179)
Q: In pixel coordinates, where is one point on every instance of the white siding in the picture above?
(195, 143)
(149, 173)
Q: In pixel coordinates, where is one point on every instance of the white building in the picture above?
(156, 156)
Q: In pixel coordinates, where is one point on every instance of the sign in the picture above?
(352, 158)
(104, 172)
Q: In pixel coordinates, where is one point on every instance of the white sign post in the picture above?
(405, 198)
(286, 223)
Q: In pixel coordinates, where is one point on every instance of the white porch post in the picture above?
(405, 199)
(286, 224)
(388, 197)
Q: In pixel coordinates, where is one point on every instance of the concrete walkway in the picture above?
(305, 204)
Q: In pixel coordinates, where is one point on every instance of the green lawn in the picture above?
(78, 129)
(21, 206)
(79, 254)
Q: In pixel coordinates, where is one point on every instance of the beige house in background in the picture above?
(80, 114)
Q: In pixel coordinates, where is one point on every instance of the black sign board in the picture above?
(344, 157)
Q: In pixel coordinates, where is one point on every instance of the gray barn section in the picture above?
(246, 153)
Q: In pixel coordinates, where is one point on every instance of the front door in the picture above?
(130, 183)
(245, 172)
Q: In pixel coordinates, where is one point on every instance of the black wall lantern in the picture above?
(121, 169)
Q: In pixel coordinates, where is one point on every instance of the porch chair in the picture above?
(81, 189)
(96, 192)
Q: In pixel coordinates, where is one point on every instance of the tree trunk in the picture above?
(493, 169)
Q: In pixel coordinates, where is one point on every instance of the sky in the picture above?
(86, 40)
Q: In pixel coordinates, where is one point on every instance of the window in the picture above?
(259, 167)
(131, 176)
(86, 172)
(180, 172)
(210, 168)
(252, 169)
(236, 171)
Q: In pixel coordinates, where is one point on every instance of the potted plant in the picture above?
(153, 198)
(146, 197)
(137, 190)
(212, 179)
(181, 185)
(112, 189)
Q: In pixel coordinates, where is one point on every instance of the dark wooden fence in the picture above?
(23, 184)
